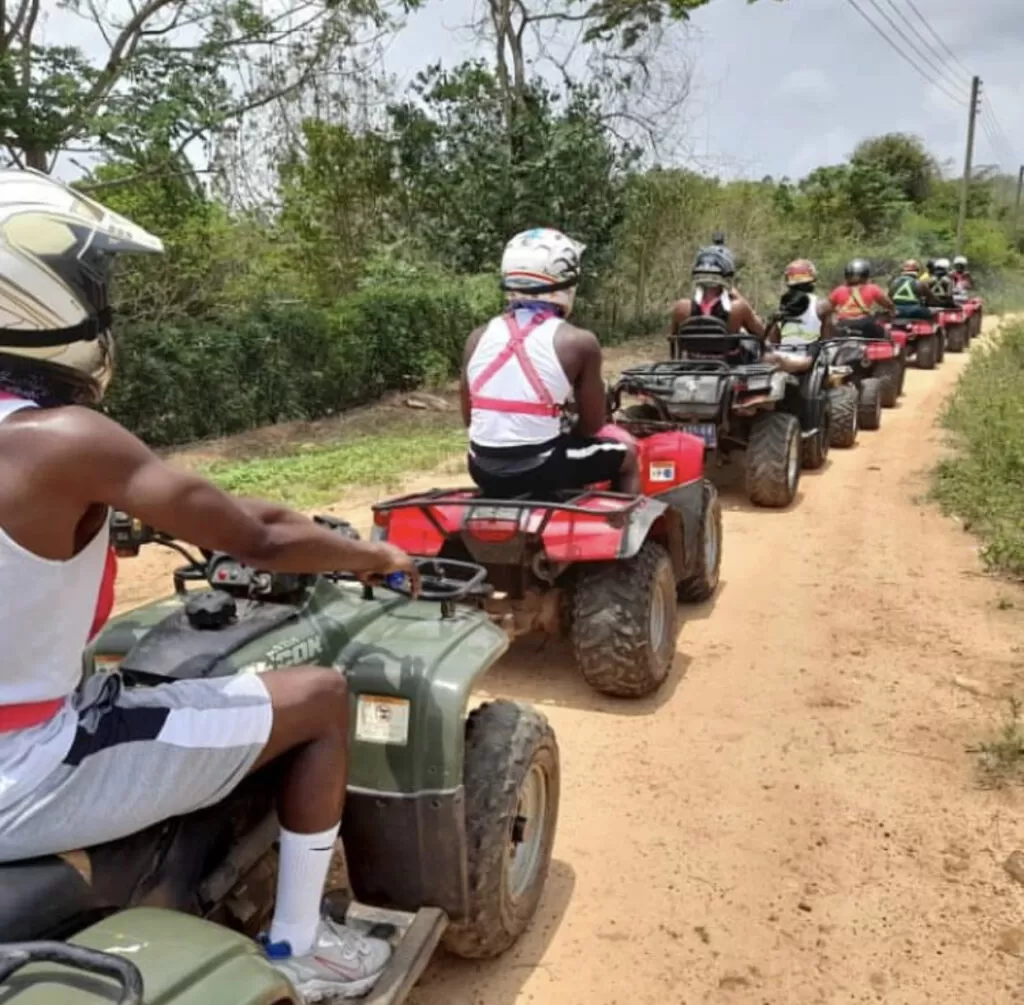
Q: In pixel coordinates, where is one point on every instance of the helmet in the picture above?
(911, 265)
(930, 264)
(713, 266)
(941, 266)
(542, 264)
(57, 248)
(801, 272)
(959, 263)
(859, 270)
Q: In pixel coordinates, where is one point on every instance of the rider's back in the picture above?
(492, 428)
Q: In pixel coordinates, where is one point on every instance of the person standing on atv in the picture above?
(858, 301)
(911, 296)
(803, 316)
(520, 371)
(942, 285)
(714, 297)
(84, 765)
(963, 283)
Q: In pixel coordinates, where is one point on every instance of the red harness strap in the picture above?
(546, 404)
(35, 713)
(706, 307)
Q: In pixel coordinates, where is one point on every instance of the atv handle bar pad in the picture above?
(17, 955)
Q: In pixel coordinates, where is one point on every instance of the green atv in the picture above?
(449, 821)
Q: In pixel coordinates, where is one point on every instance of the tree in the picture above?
(175, 71)
(904, 163)
(465, 193)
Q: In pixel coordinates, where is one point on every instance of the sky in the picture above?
(783, 87)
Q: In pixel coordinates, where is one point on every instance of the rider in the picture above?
(963, 282)
(521, 370)
(858, 300)
(910, 295)
(713, 269)
(926, 275)
(81, 766)
(942, 284)
(804, 316)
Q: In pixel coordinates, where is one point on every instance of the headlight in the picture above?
(697, 390)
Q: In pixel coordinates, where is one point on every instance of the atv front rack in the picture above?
(123, 972)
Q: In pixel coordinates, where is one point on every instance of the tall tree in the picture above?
(174, 71)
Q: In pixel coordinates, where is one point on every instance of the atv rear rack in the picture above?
(425, 501)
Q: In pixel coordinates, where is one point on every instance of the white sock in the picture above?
(301, 876)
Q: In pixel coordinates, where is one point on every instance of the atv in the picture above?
(919, 340)
(974, 308)
(736, 395)
(448, 826)
(956, 324)
(605, 568)
(877, 366)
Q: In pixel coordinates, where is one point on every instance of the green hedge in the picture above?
(179, 382)
(983, 482)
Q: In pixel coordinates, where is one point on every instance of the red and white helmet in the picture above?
(800, 272)
(542, 264)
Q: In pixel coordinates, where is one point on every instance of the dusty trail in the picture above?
(793, 820)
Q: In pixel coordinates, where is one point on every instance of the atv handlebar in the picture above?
(123, 972)
(441, 579)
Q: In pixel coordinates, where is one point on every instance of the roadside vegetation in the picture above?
(983, 482)
(1001, 756)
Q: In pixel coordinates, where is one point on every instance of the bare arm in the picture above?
(591, 403)
(680, 313)
(749, 321)
(464, 397)
(89, 457)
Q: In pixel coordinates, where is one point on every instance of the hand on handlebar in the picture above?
(394, 560)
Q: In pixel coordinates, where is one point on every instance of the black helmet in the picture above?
(859, 270)
(713, 266)
(930, 264)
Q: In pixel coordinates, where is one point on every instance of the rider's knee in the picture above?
(325, 693)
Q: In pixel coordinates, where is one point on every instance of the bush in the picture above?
(220, 375)
(984, 482)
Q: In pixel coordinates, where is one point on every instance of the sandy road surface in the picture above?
(793, 820)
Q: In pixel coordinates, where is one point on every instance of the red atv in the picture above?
(956, 324)
(604, 567)
(920, 340)
(974, 308)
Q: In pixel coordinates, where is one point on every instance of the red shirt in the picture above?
(856, 301)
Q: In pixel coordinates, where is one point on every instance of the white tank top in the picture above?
(808, 327)
(504, 429)
(47, 610)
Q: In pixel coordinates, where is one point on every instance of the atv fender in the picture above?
(410, 677)
(183, 961)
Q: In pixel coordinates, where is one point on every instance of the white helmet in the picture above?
(941, 265)
(57, 248)
(960, 262)
(544, 265)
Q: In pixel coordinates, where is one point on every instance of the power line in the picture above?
(1000, 132)
(932, 56)
(899, 52)
(936, 82)
(938, 38)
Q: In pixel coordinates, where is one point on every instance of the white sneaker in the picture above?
(342, 964)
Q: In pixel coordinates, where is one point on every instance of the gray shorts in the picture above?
(141, 756)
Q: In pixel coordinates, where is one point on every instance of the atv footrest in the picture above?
(417, 937)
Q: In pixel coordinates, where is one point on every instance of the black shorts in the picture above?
(569, 462)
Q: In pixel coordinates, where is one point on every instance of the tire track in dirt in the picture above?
(792, 820)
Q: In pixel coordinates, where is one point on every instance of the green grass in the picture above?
(983, 483)
(321, 473)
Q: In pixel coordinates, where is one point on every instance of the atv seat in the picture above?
(705, 337)
(57, 895)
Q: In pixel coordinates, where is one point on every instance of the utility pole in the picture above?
(968, 159)
(1020, 191)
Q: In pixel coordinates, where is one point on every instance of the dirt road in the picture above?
(793, 820)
